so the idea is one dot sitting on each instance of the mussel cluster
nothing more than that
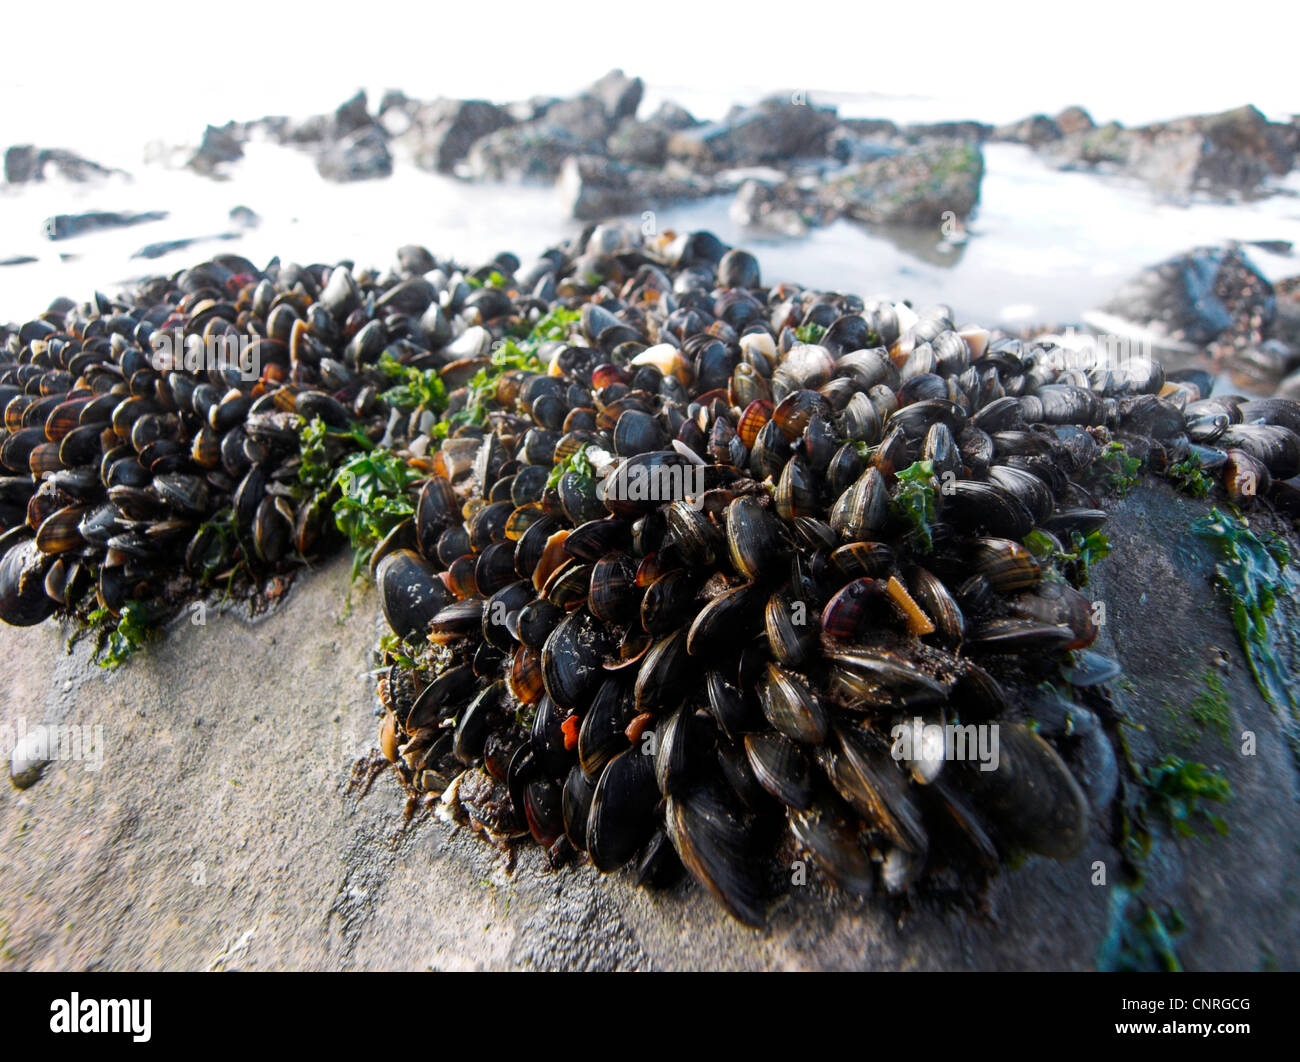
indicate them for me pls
(151, 443)
(672, 599)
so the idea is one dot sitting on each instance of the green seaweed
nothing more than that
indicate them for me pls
(1210, 707)
(1120, 469)
(1252, 573)
(810, 333)
(1074, 564)
(1137, 939)
(122, 635)
(373, 498)
(413, 388)
(913, 503)
(579, 463)
(1177, 789)
(1188, 477)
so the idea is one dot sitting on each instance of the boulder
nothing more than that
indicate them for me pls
(65, 226)
(534, 151)
(220, 145)
(912, 187)
(351, 116)
(619, 95)
(673, 116)
(774, 131)
(596, 188)
(25, 162)
(583, 117)
(362, 155)
(976, 132)
(639, 143)
(1074, 120)
(780, 208)
(442, 132)
(1036, 130)
(1197, 298)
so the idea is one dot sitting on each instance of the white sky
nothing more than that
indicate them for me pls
(78, 73)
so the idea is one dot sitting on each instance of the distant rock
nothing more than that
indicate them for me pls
(977, 132)
(360, 156)
(773, 131)
(220, 145)
(596, 188)
(1230, 153)
(534, 151)
(166, 247)
(245, 217)
(442, 132)
(1074, 120)
(1233, 151)
(583, 117)
(672, 116)
(65, 226)
(1036, 130)
(913, 187)
(619, 95)
(352, 115)
(18, 259)
(26, 162)
(761, 206)
(639, 143)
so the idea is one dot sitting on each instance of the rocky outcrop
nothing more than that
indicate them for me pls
(595, 187)
(359, 156)
(1235, 152)
(195, 818)
(26, 162)
(442, 132)
(774, 131)
(220, 145)
(915, 187)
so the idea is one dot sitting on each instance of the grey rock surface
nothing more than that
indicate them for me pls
(222, 831)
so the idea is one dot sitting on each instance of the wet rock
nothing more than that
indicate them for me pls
(1198, 297)
(442, 132)
(673, 116)
(534, 151)
(220, 145)
(1074, 120)
(165, 247)
(596, 187)
(245, 217)
(1036, 130)
(360, 156)
(65, 226)
(1104, 146)
(773, 131)
(26, 162)
(862, 141)
(583, 117)
(1233, 151)
(352, 115)
(780, 209)
(619, 95)
(639, 143)
(913, 187)
(976, 132)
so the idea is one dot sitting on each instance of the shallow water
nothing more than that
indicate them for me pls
(1043, 247)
